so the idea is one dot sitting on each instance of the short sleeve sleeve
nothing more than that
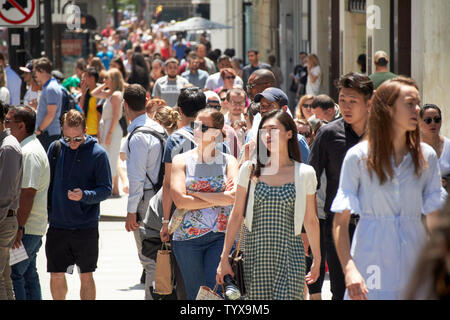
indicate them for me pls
(31, 171)
(311, 181)
(434, 195)
(244, 174)
(53, 95)
(347, 194)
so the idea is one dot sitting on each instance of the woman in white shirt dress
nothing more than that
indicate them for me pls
(110, 133)
(314, 76)
(391, 180)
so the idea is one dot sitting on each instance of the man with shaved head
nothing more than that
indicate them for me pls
(260, 80)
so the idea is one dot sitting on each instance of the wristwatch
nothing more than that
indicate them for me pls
(22, 228)
(165, 221)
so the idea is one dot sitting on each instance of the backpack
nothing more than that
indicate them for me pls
(68, 101)
(162, 137)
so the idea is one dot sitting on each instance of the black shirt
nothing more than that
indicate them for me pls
(328, 152)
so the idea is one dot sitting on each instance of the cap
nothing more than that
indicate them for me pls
(273, 95)
(28, 67)
(211, 96)
(379, 55)
(58, 75)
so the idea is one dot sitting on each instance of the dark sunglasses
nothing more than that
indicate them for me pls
(307, 106)
(251, 86)
(203, 127)
(230, 78)
(436, 120)
(214, 106)
(306, 134)
(74, 139)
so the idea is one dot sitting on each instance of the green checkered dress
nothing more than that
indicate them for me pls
(274, 265)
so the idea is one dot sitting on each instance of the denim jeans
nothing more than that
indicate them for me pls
(24, 274)
(198, 260)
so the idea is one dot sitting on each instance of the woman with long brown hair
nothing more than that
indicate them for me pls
(390, 180)
(281, 199)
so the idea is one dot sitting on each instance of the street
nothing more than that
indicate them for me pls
(118, 269)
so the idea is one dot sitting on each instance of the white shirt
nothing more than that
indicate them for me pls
(215, 81)
(313, 88)
(4, 95)
(144, 156)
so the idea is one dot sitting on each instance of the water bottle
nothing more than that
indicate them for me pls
(231, 290)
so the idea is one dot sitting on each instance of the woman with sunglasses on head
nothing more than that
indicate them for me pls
(430, 127)
(281, 200)
(390, 180)
(201, 184)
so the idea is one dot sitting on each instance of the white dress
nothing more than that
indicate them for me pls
(313, 88)
(113, 149)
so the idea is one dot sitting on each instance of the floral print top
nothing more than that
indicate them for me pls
(204, 177)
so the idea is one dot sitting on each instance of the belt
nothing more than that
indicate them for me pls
(11, 213)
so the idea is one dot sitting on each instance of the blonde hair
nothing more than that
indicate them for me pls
(167, 117)
(117, 82)
(74, 119)
(314, 59)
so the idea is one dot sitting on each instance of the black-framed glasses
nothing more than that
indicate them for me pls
(203, 127)
(307, 106)
(436, 120)
(74, 139)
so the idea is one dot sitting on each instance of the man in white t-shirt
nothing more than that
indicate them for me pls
(32, 212)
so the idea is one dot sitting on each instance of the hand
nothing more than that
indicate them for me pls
(223, 269)
(75, 194)
(356, 286)
(164, 233)
(126, 189)
(131, 222)
(314, 273)
(18, 240)
(33, 104)
(230, 185)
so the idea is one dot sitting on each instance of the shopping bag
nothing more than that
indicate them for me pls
(163, 272)
(205, 293)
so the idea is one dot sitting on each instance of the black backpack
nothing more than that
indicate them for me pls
(68, 101)
(162, 137)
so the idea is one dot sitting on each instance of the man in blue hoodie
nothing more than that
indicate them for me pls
(82, 179)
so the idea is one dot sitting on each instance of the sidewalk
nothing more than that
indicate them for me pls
(118, 270)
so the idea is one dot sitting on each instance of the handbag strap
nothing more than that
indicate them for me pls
(245, 209)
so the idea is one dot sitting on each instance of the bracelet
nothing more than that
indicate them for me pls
(165, 221)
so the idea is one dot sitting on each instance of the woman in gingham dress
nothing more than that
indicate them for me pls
(281, 200)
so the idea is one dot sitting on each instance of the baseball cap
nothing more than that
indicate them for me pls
(379, 55)
(273, 95)
(28, 67)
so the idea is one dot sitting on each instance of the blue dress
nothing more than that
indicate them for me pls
(390, 233)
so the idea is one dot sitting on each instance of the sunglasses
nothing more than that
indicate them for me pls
(307, 106)
(436, 120)
(230, 78)
(203, 127)
(306, 134)
(251, 86)
(74, 139)
(9, 121)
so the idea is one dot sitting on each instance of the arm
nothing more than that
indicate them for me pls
(221, 198)
(116, 104)
(311, 224)
(178, 188)
(166, 202)
(354, 282)
(51, 112)
(233, 226)
(101, 92)
(25, 205)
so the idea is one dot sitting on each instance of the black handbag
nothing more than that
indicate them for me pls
(236, 258)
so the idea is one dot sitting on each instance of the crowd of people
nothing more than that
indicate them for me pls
(351, 186)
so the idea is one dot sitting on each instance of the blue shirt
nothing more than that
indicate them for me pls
(390, 233)
(180, 50)
(106, 58)
(198, 79)
(13, 83)
(51, 95)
